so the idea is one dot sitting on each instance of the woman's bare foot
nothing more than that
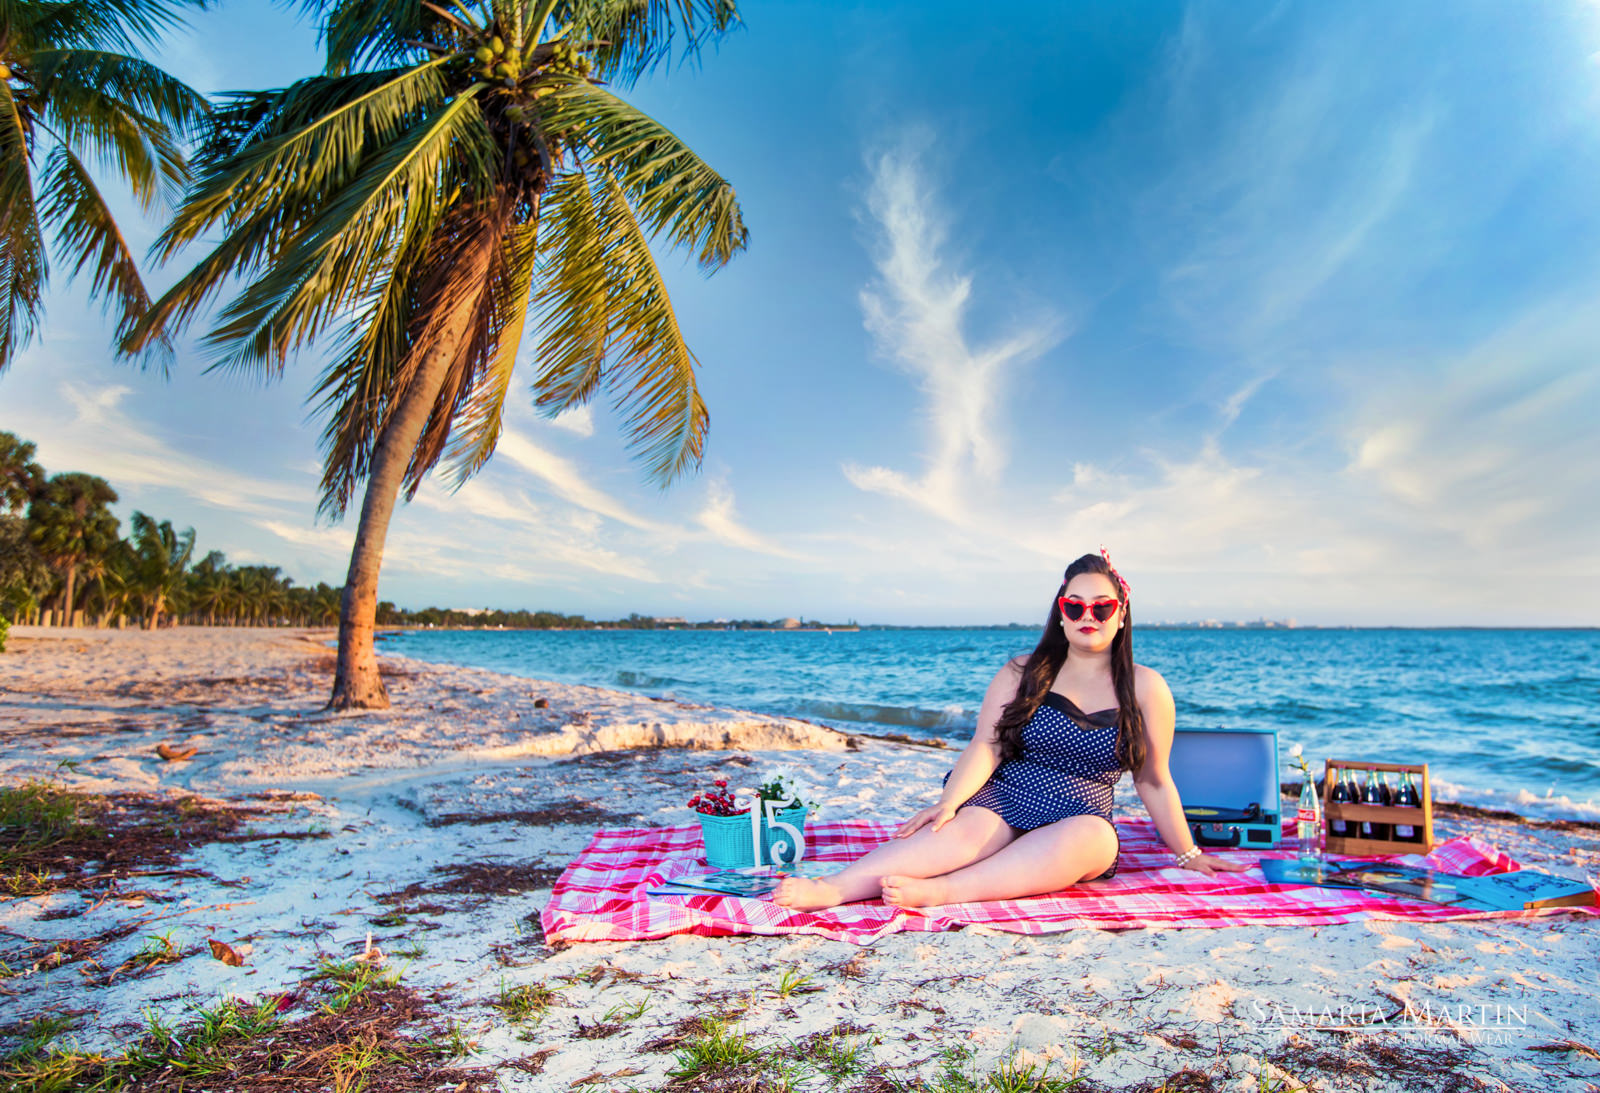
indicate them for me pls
(808, 893)
(915, 891)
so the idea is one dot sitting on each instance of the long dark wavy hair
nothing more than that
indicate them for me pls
(1045, 662)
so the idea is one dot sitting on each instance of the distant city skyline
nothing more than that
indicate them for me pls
(1292, 310)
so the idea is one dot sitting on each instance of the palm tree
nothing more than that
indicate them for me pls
(449, 171)
(115, 584)
(71, 525)
(24, 576)
(208, 586)
(72, 88)
(20, 476)
(263, 592)
(161, 556)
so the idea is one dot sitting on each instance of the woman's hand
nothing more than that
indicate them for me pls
(1210, 865)
(938, 815)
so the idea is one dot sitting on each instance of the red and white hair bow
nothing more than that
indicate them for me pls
(1127, 593)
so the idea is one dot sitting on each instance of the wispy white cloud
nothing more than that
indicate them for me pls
(563, 478)
(579, 420)
(335, 542)
(101, 437)
(917, 314)
(720, 518)
(478, 497)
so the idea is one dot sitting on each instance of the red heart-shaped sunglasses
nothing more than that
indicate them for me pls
(1102, 609)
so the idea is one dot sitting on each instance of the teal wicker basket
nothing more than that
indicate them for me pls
(728, 843)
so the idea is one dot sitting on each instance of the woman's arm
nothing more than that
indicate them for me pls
(980, 757)
(1154, 779)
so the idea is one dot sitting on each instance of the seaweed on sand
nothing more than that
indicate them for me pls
(54, 839)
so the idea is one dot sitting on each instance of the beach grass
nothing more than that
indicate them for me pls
(37, 815)
(837, 1053)
(526, 1002)
(793, 980)
(353, 979)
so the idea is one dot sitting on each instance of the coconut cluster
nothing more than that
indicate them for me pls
(497, 62)
(502, 62)
(566, 59)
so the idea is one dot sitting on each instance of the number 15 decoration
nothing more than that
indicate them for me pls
(767, 811)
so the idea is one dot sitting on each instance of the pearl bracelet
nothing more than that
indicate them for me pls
(1187, 856)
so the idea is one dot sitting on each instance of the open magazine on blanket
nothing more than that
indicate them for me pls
(757, 882)
(1521, 890)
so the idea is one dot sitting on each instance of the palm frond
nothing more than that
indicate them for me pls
(334, 259)
(339, 120)
(269, 162)
(23, 266)
(356, 390)
(121, 25)
(633, 37)
(652, 374)
(478, 425)
(573, 300)
(356, 33)
(130, 80)
(537, 26)
(673, 189)
(85, 228)
(459, 307)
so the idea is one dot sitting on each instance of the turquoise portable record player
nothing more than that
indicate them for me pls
(1227, 780)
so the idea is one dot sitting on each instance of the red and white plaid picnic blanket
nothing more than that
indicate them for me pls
(602, 896)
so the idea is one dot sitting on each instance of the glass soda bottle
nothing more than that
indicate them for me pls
(1343, 792)
(1308, 823)
(1371, 794)
(1408, 797)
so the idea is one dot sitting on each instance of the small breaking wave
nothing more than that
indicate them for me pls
(641, 680)
(945, 720)
(1524, 802)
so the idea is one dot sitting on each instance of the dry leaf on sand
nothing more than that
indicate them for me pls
(226, 953)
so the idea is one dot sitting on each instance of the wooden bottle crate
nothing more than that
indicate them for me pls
(1352, 813)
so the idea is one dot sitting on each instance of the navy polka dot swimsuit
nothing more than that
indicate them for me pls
(1068, 767)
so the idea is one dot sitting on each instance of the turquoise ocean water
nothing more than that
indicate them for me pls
(1505, 718)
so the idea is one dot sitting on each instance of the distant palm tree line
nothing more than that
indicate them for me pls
(63, 562)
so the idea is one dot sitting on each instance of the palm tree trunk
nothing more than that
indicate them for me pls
(66, 595)
(356, 682)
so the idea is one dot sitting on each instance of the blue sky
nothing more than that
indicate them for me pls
(1292, 307)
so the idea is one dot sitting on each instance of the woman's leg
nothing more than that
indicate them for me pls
(974, 833)
(1042, 860)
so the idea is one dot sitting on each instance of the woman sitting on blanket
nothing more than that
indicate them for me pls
(1027, 809)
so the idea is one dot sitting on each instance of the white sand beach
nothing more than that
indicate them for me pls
(439, 827)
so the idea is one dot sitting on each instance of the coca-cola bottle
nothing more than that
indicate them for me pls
(1407, 797)
(1343, 793)
(1308, 823)
(1371, 794)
